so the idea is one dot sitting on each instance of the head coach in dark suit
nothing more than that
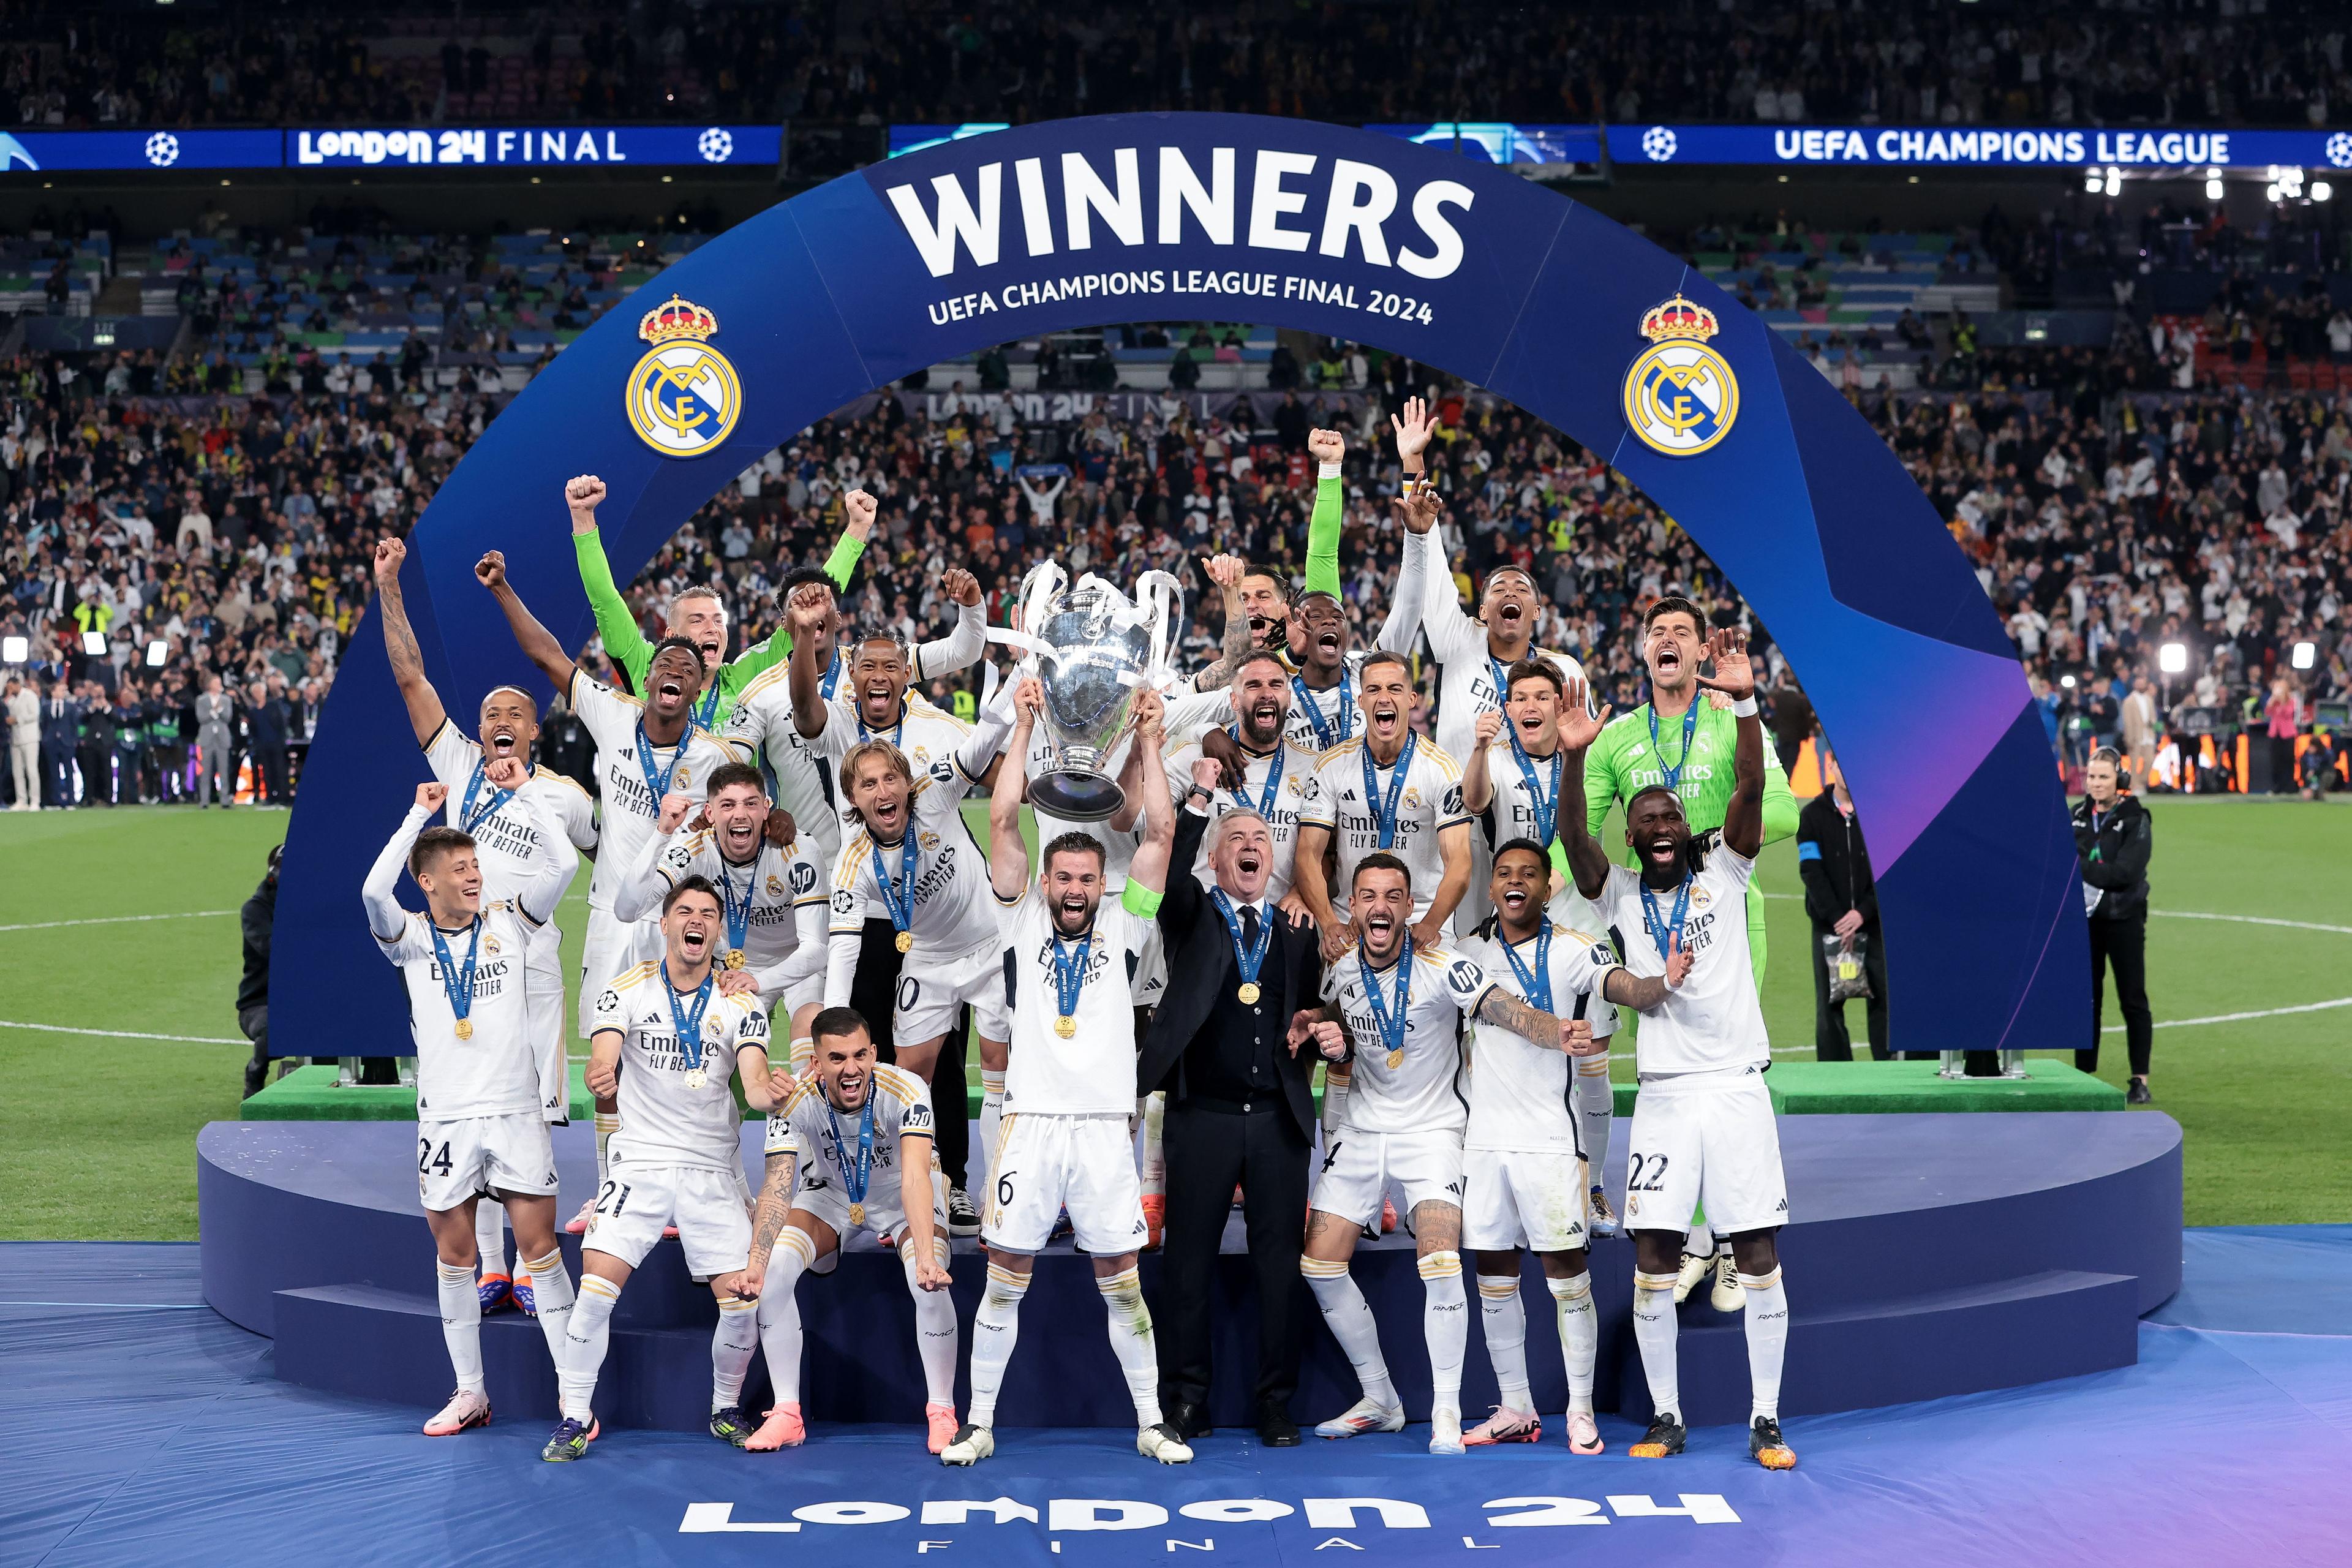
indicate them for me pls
(1240, 1104)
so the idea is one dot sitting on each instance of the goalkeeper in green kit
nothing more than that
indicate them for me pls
(1680, 740)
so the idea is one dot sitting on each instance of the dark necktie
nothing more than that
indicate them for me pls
(1249, 927)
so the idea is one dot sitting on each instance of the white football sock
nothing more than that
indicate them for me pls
(1152, 1163)
(1350, 1320)
(1131, 1341)
(490, 1234)
(607, 1124)
(1445, 1322)
(935, 1328)
(995, 1329)
(1700, 1242)
(1580, 1336)
(1768, 1338)
(461, 1323)
(780, 1312)
(1655, 1328)
(992, 1117)
(1505, 1321)
(584, 1343)
(1595, 1099)
(551, 1289)
(732, 1344)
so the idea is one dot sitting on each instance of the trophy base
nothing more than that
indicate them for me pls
(1075, 796)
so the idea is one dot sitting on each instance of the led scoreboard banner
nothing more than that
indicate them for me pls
(399, 146)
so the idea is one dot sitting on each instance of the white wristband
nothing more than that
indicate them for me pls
(1327, 471)
(1746, 707)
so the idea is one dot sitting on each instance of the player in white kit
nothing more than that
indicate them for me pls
(1277, 779)
(1399, 1007)
(1387, 792)
(646, 747)
(1703, 1126)
(511, 850)
(771, 891)
(1524, 1171)
(1511, 784)
(1069, 958)
(479, 1124)
(848, 1121)
(666, 1045)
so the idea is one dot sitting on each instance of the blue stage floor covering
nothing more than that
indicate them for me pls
(136, 1427)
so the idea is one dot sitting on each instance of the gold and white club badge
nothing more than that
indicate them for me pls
(683, 397)
(1681, 397)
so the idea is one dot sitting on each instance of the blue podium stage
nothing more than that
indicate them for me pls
(1927, 1256)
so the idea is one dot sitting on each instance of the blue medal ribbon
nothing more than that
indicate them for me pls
(1536, 987)
(1546, 818)
(1070, 973)
(1391, 1026)
(832, 674)
(1273, 786)
(739, 913)
(900, 904)
(1661, 927)
(1673, 777)
(468, 817)
(707, 715)
(457, 984)
(1383, 807)
(1347, 718)
(854, 1180)
(1249, 959)
(689, 1025)
(657, 781)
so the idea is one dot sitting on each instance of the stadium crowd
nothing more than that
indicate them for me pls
(153, 545)
(2279, 63)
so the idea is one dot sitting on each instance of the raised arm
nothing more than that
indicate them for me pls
(1648, 992)
(1412, 428)
(625, 644)
(1225, 573)
(538, 644)
(426, 714)
(644, 885)
(985, 747)
(1574, 827)
(1182, 897)
(1149, 869)
(805, 617)
(964, 645)
(1735, 677)
(1477, 778)
(386, 919)
(1008, 854)
(1330, 451)
(1453, 634)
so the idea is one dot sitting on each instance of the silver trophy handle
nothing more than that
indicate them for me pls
(1162, 598)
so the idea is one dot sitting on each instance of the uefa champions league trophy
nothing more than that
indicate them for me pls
(1094, 650)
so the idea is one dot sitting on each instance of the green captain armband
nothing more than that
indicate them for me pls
(1139, 900)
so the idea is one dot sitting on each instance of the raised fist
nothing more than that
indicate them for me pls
(389, 554)
(960, 585)
(1489, 725)
(1326, 446)
(431, 795)
(584, 495)
(859, 508)
(491, 571)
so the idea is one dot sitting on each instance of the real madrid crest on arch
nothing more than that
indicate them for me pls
(1680, 394)
(683, 396)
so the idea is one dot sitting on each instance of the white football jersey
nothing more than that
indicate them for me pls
(1469, 677)
(492, 1071)
(508, 842)
(1519, 1087)
(1514, 812)
(663, 1121)
(1712, 1020)
(1429, 801)
(1289, 770)
(778, 899)
(825, 1140)
(1092, 1071)
(955, 907)
(1319, 720)
(632, 806)
(1418, 1087)
(761, 724)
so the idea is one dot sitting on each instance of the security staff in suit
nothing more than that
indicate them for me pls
(60, 737)
(1229, 1047)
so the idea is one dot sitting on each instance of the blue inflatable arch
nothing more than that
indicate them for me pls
(1158, 217)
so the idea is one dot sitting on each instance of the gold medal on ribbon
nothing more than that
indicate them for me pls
(695, 1080)
(857, 1214)
(1065, 1027)
(906, 942)
(1396, 1059)
(1249, 992)
(734, 958)
(465, 1028)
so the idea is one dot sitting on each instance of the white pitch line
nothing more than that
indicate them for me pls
(120, 1034)
(2237, 1017)
(2251, 920)
(118, 920)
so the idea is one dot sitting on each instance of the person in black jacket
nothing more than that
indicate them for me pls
(256, 918)
(1841, 900)
(60, 741)
(1241, 1106)
(2113, 836)
(265, 725)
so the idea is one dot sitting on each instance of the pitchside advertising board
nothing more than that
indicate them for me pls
(1366, 237)
(392, 147)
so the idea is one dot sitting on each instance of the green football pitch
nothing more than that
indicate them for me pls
(118, 965)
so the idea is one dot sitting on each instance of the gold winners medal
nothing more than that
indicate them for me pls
(1249, 992)
(857, 1214)
(906, 942)
(734, 958)
(695, 1080)
(1065, 1027)
(1396, 1059)
(465, 1028)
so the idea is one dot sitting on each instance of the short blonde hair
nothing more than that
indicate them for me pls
(893, 760)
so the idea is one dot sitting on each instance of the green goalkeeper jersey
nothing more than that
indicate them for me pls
(626, 646)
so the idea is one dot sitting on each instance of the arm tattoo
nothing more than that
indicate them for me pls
(400, 637)
(1643, 994)
(1502, 1009)
(775, 1202)
(1236, 644)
